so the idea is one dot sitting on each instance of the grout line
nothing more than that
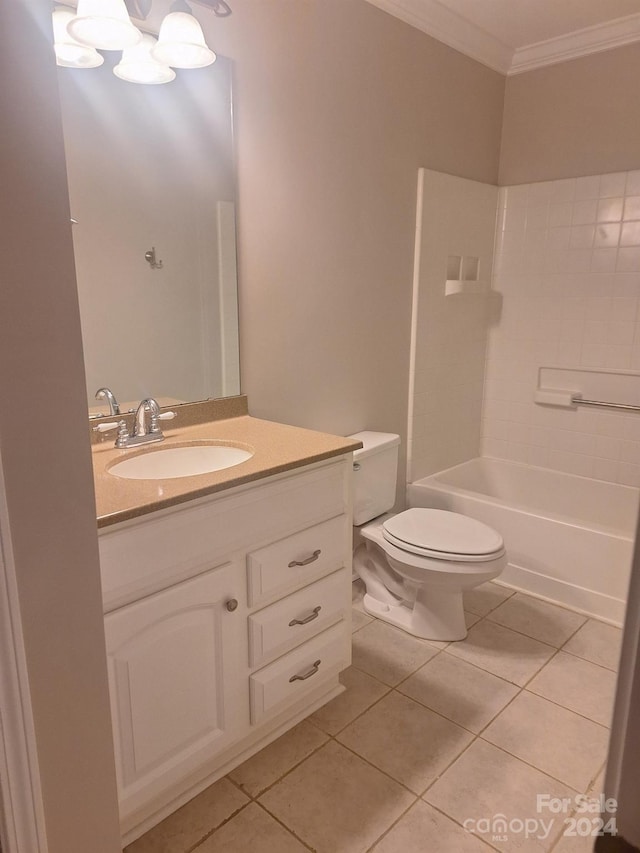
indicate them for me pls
(262, 791)
(235, 784)
(580, 657)
(378, 769)
(533, 766)
(284, 826)
(219, 826)
(334, 735)
(457, 823)
(570, 710)
(388, 830)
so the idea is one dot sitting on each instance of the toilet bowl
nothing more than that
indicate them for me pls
(416, 581)
(415, 564)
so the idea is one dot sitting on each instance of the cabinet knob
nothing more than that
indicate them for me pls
(232, 604)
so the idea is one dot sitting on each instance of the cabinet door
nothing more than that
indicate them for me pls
(178, 682)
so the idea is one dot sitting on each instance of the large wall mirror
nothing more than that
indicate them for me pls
(152, 189)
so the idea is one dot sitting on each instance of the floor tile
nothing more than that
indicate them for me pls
(336, 802)
(406, 740)
(271, 763)
(359, 619)
(485, 598)
(503, 652)
(579, 685)
(598, 643)
(249, 831)
(362, 691)
(557, 741)
(459, 691)
(185, 827)
(538, 619)
(485, 782)
(423, 822)
(389, 654)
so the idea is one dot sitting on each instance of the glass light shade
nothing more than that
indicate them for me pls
(138, 65)
(69, 52)
(104, 24)
(181, 42)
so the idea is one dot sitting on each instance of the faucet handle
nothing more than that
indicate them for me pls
(121, 426)
(107, 427)
(154, 426)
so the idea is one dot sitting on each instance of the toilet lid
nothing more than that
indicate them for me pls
(441, 533)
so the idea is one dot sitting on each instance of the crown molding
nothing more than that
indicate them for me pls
(583, 42)
(452, 29)
(440, 22)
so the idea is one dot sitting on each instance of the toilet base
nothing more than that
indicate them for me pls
(436, 614)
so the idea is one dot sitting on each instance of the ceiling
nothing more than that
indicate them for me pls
(512, 36)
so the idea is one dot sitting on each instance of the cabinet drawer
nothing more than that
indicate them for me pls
(163, 548)
(299, 616)
(293, 562)
(291, 676)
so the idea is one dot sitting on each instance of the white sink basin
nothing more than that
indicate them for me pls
(166, 463)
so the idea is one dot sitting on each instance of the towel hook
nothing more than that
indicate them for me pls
(150, 258)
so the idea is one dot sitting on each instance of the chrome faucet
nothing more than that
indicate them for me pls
(140, 428)
(145, 429)
(108, 395)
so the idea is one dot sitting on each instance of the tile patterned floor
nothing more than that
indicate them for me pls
(428, 737)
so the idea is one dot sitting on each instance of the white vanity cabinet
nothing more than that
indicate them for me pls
(227, 620)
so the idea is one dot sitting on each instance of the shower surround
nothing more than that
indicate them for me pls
(564, 293)
(567, 275)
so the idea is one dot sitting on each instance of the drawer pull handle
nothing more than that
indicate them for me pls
(312, 671)
(306, 562)
(313, 615)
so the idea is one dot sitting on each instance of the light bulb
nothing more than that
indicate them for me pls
(181, 42)
(104, 24)
(138, 65)
(69, 52)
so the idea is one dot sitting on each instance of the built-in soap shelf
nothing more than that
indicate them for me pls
(463, 275)
(569, 388)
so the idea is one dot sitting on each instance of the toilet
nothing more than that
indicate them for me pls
(416, 564)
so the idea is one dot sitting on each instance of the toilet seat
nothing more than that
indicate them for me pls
(443, 535)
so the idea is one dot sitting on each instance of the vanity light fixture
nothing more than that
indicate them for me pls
(139, 66)
(104, 24)
(69, 52)
(181, 41)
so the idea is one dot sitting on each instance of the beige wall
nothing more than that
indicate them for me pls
(45, 450)
(572, 119)
(337, 106)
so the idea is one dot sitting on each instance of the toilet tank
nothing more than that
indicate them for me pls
(375, 472)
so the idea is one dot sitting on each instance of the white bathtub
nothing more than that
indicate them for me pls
(568, 538)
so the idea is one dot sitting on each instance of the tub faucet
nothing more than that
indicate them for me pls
(108, 395)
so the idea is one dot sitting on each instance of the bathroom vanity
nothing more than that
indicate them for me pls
(227, 601)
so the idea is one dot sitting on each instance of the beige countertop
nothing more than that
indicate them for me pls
(277, 448)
